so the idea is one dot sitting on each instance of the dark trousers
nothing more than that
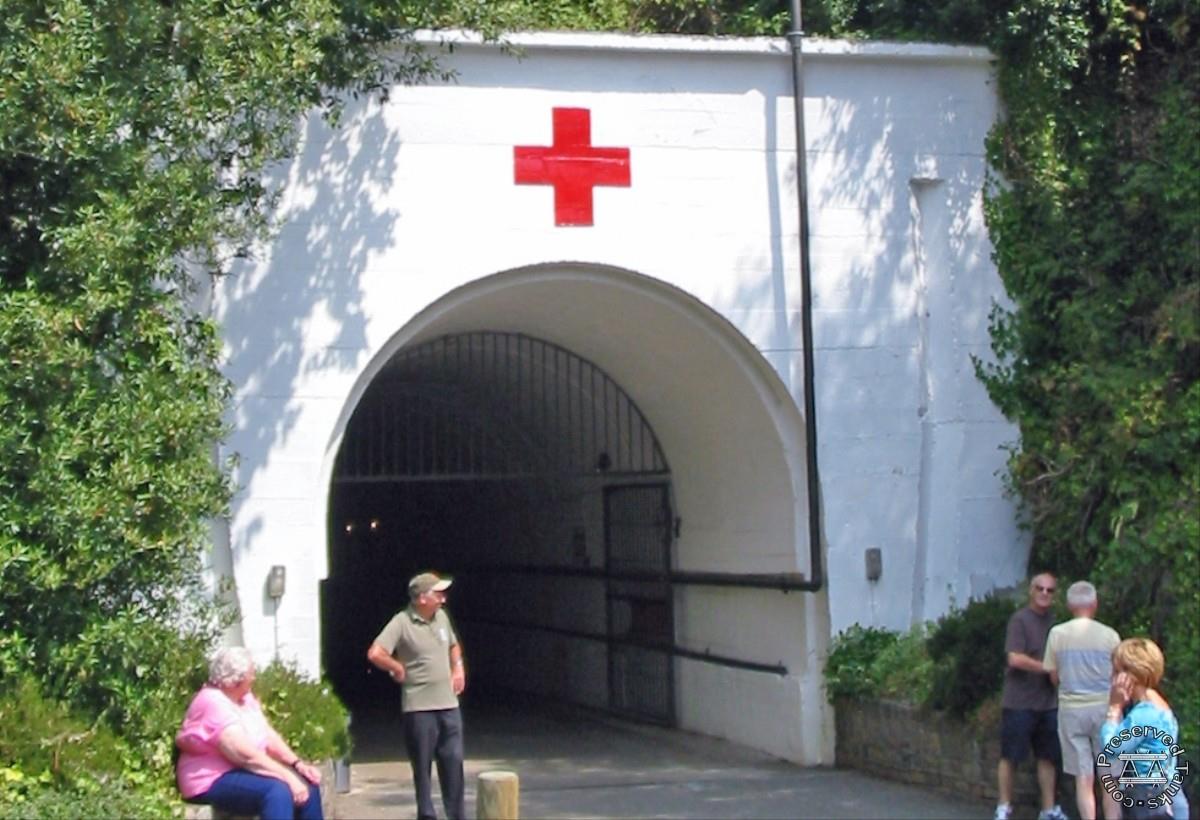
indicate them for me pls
(242, 792)
(436, 735)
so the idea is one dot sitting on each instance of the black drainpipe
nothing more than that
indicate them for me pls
(796, 38)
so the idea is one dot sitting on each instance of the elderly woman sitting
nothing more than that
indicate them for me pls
(232, 759)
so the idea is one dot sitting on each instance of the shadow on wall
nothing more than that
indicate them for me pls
(305, 285)
(910, 444)
(877, 337)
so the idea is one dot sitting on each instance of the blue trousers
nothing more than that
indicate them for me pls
(437, 734)
(242, 792)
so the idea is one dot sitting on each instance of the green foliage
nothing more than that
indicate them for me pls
(134, 135)
(904, 669)
(868, 662)
(46, 737)
(848, 669)
(942, 20)
(954, 664)
(966, 647)
(53, 763)
(93, 800)
(1095, 219)
(306, 713)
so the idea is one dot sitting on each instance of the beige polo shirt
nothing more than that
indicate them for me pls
(1080, 650)
(424, 649)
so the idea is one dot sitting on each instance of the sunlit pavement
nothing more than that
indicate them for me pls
(575, 764)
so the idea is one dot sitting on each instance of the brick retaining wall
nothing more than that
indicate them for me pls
(914, 745)
(903, 742)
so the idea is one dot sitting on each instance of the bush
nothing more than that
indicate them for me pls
(848, 669)
(55, 764)
(966, 648)
(904, 669)
(307, 713)
(97, 801)
(868, 662)
(45, 737)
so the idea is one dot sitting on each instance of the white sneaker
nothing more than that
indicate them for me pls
(1055, 813)
(1003, 812)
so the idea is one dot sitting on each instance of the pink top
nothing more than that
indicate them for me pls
(209, 714)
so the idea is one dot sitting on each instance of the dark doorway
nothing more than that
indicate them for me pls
(496, 458)
(637, 539)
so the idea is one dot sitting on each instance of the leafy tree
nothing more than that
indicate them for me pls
(133, 138)
(1096, 226)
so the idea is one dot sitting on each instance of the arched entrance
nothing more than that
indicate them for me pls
(527, 473)
(616, 476)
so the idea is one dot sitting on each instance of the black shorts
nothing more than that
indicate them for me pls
(1021, 729)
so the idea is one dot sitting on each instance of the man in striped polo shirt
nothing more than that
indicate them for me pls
(1079, 660)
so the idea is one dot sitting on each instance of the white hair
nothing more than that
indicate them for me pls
(1081, 594)
(230, 666)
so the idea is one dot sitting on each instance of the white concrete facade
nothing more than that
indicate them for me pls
(405, 224)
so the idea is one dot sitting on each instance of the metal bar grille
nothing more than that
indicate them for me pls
(489, 405)
(637, 536)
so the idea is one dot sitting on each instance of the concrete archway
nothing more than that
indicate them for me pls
(734, 440)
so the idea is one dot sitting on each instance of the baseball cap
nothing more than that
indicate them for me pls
(427, 582)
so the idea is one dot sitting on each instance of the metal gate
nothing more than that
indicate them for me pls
(641, 624)
(494, 406)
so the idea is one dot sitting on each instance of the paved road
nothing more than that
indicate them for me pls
(574, 764)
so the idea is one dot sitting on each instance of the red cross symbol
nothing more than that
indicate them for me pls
(572, 165)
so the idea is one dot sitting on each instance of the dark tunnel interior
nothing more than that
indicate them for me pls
(529, 476)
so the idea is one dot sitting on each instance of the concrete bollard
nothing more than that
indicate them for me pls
(341, 775)
(497, 796)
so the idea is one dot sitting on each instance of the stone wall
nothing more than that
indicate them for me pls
(903, 742)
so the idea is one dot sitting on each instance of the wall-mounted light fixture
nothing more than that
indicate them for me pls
(277, 582)
(874, 558)
(276, 586)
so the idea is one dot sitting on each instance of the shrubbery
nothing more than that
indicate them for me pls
(868, 662)
(954, 664)
(56, 764)
(852, 669)
(128, 181)
(967, 649)
(307, 713)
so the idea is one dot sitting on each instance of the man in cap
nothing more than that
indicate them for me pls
(419, 650)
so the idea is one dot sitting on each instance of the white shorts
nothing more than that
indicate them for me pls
(1079, 736)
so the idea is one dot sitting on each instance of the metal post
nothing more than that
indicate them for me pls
(796, 38)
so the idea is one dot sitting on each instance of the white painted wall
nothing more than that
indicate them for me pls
(411, 204)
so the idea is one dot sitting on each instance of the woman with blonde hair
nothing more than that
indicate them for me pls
(1140, 722)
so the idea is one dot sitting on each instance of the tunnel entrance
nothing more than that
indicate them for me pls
(530, 476)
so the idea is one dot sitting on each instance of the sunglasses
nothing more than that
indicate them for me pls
(1040, 588)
